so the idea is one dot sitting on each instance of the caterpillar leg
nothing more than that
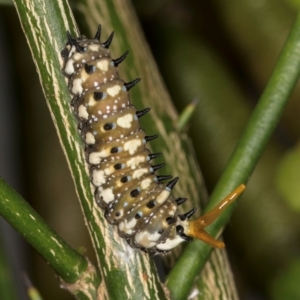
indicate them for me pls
(196, 228)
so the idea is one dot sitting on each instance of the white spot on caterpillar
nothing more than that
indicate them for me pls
(113, 91)
(140, 172)
(131, 146)
(82, 112)
(109, 170)
(103, 65)
(146, 239)
(121, 226)
(172, 211)
(154, 236)
(135, 161)
(126, 227)
(83, 75)
(107, 195)
(162, 197)
(170, 243)
(145, 183)
(95, 157)
(125, 121)
(76, 56)
(72, 50)
(77, 87)
(89, 138)
(94, 47)
(69, 67)
(98, 177)
(92, 101)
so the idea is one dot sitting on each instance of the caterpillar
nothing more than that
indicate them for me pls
(126, 184)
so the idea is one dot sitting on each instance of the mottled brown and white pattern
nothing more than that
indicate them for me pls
(127, 188)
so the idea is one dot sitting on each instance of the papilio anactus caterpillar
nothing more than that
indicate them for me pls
(126, 185)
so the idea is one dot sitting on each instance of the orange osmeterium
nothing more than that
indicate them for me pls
(196, 228)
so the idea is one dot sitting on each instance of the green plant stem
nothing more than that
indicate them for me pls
(67, 263)
(246, 155)
(45, 23)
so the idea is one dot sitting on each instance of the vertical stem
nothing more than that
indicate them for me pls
(246, 155)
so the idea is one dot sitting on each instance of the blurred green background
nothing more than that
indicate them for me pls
(221, 52)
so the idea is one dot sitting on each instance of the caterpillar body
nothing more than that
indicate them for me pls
(127, 187)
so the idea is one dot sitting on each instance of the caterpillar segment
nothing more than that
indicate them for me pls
(127, 187)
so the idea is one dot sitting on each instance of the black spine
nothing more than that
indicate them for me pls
(163, 177)
(157, 167)
(108, 42)
(187, 215)
(98, 33)
(142, 112)
(150, 138)
(117, 61)
(172, 183)
(154, 155)
(179, 201)
(131, 84)
(73, 42)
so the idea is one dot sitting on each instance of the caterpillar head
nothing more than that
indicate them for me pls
(185, 230)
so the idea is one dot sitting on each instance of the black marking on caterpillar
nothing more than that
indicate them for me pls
(127, 188)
